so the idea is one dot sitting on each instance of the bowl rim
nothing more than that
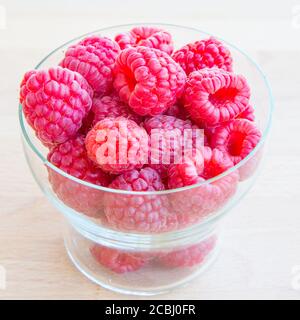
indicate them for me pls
(168, 191)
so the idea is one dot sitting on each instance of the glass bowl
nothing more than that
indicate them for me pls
(181, 239)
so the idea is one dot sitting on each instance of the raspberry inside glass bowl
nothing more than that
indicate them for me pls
(150, 232)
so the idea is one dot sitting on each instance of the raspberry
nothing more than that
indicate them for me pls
(108, 107)
(206, 198)
(186, 173)
(190, 256)
(166, 123)
(202, 54)
(177, 111)
(248, 168)
(117, 145)
(118, 261)
(167, 138)
(94, 58)
(142, 213)
(147, 37)
(213, 96)
(87, 123)
(71, 157)
(238, 138)
(113, 107)
(149, 80)
(55, 102)
(248, 114)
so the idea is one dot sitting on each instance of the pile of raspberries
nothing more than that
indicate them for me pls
(138, 80)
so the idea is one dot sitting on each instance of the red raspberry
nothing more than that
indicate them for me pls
(118, 261)
(71, 157)
(147, 37)
(113, 107)
(94, 58)
(55, 102)
(202, 54)
(141, 213)
(190, 256)
(149, 80)
(117, 145)
(108, 107)
(188, 172)
(248, 168)
(214, 96)
(238, 138)
(177, 111)
(166, 122)
(207, 198)
(167, 140)
(87, 123)
(248, 114)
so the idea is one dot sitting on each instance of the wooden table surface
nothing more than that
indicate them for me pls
(261, 246)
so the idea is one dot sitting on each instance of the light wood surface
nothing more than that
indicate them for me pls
(261, 244)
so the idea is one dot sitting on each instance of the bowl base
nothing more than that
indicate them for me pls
(151, 280)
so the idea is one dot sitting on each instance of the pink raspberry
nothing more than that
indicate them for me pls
(167, 140)
(238, 138)
(149, 80)
(190, 256)
(94, 58)
(55, 102)
(117, 145)
(71, 157)
(202, 54)
(141, 213)
(147, 37)
(118, 261)
(214, 96)
(206, 198)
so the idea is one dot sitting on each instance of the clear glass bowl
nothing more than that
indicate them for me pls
(159, 253)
